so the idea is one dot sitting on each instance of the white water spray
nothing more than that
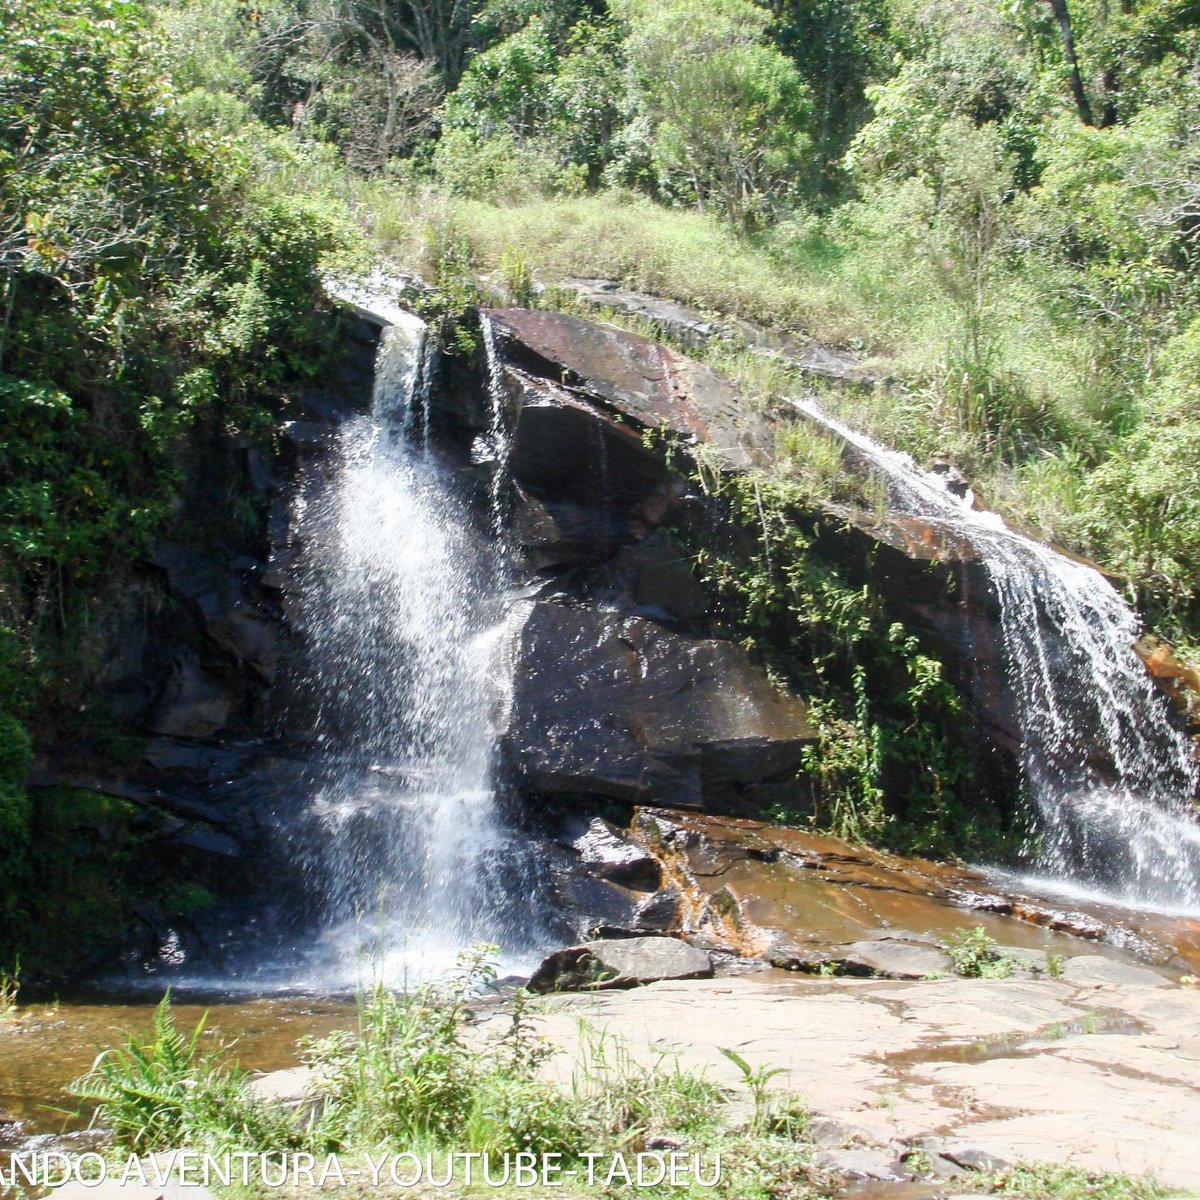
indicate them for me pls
(403, 617)
(1109, 773)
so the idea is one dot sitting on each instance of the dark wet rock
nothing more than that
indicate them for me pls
(892, 959)
(660, 913)
(605, 853)
(654, 579)
(586, 482)
(202, 760)
(605, 705)
(209, 842)
(621, 963)
(192, 703)
(230, 618)
(305, 437)
(585, 902)
(637, 381)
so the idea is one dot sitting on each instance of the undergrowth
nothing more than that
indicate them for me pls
(418, 1075)
(976, 955)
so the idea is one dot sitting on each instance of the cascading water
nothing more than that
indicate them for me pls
(1109, 774)
(404, 621)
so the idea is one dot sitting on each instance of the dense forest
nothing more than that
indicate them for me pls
(996, 203)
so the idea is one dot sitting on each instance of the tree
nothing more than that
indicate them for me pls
(726, 110)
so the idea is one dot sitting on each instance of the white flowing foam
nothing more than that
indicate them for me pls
(1110, 775)
(403, 612)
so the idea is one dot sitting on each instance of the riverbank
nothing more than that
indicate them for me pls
(909, 1090)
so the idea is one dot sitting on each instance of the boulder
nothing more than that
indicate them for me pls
(619, 963)
(191, 702)
(607, 705)
(859, 1164)
(636, 381)
(605, 853)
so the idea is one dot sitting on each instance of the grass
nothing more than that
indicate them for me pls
(975, 954)
(1053, 1182)
(163, 1091)
(415, 1076)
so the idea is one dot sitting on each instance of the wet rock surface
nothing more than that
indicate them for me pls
(811, 903)
(632, 379)
(627, 708)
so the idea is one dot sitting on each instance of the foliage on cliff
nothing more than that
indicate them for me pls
(997, 201)
(150, 290)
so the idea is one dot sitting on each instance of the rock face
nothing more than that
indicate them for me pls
(632, 379)
(623, 963)
(693, 329)
(622, 707)
(812, 903)
(621, 692)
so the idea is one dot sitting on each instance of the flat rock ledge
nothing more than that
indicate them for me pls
(938, 1080)
(620, 963)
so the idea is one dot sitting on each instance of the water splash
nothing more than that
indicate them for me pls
(1109, 773)
(403, 615)
(497, 447)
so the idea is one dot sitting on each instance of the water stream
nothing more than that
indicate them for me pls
(404, 615)
(1108, 773)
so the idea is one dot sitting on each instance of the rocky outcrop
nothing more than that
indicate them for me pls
(637, 381)
(813, 903)
(693, 328)
(606, 705)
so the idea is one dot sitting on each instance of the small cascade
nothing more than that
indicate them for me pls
(403, 614)
(496, 448)
(1109, 774)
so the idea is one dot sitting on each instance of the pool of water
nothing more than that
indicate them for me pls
(43, 1047)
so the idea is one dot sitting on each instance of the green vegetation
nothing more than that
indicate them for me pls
(891, 762)
(416, 1076)
(10, 987)
(975, 954)
(156, 302)
(994, 204)
(1045, 1182)
(164, 1092)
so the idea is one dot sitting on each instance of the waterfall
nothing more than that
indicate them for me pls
(496, 446)
(1108, 773)
(402, 609)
